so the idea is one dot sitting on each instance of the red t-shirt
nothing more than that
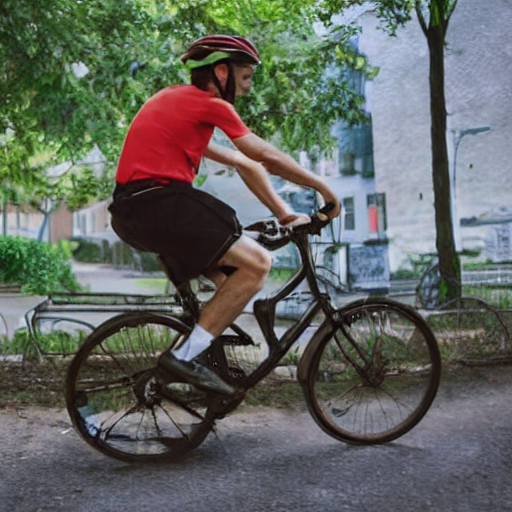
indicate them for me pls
(171, 132)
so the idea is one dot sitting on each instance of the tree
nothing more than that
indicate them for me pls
(48, 113)
(74, 74)
(433, 17)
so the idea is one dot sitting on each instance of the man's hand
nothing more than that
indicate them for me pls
(294, 219)
(330, 197)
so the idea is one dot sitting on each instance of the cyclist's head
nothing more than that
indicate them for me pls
(236, 52)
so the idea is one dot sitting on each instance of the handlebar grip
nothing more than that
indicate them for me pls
(323, 213)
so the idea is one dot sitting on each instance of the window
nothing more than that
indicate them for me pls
(373, 221)
(376, 207)
(350, 219)
(355, 146)
(347, 167)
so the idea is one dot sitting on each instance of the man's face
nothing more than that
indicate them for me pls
(243, 79)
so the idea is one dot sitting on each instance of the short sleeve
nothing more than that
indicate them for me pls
(223, 115)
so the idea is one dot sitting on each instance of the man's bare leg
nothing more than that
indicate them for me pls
(253, 264)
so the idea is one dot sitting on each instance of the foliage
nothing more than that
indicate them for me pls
(89, 252)
(39, 267)
(49, 114)
(74, 74)
(405, 274)
(57, 342)
(302, 88)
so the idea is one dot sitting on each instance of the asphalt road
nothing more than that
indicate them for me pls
(458, 459)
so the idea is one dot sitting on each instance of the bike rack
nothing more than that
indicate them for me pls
(83, 312)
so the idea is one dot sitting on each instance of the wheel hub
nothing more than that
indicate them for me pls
(146, 389)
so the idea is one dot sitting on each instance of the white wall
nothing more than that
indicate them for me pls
(478, 63)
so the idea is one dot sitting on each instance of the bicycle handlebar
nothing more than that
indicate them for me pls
(273, 236)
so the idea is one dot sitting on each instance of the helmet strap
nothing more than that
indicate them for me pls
(230, 90)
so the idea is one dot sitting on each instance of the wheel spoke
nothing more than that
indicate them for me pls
(116, 397)
(376, 376)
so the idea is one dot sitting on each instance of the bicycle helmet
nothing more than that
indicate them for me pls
(208, 51)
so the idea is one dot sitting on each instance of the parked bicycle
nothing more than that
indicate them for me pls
(369, 372)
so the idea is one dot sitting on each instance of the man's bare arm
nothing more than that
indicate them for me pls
(254, 175)
(283, 165)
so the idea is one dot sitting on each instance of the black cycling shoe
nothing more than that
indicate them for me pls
(195, 373)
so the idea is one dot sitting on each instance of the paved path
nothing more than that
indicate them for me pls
(458, 459)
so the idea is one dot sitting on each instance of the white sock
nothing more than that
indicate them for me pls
(198, 341)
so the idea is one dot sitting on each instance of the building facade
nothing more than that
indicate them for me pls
(478, 67)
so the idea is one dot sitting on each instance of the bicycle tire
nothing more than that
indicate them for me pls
(121, 405)
(427, 291)
(395, 381)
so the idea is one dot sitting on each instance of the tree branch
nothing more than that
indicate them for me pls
(421, 18)
(450, 12)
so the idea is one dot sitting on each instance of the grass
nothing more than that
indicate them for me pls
(32, 384)
(497, 296)
(281, 274)
(158, 283)
(474, 332)
(281, 395)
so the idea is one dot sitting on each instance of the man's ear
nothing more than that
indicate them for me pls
(222, 72)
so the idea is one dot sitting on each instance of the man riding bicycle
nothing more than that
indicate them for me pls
(157, 209)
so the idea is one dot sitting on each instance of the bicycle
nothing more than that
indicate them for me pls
(369, 372)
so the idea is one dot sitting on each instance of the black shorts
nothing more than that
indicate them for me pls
(188, 228)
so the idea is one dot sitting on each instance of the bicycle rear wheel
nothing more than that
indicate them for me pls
(118, 401)
(375, 375)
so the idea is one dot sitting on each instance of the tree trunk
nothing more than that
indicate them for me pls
(449, 263)
(4, 216)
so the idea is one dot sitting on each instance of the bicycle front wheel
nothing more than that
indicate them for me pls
(118, 401)
(375, 375)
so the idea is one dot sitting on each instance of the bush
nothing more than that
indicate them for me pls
(89, 252)
(39, 268)
(403, 273)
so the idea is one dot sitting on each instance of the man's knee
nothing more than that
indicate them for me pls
(262, 263)
(256, 262)
(249, 256)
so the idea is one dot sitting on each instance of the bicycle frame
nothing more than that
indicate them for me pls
(264, 312)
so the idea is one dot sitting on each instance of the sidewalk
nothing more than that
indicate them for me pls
(13, 307)
(101, 278)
